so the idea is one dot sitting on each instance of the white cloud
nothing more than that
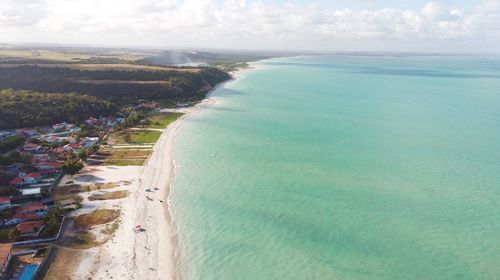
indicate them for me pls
(237, 23)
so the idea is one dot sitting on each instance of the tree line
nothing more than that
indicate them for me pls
(119, 86)
(28, 108)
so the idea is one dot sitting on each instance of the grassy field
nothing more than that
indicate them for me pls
(139, 146)
(137, 137)
(162, 120)
(97, 217)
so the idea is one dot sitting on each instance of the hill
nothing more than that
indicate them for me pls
(28, 108)
(121, 84)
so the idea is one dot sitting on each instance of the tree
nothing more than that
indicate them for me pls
(71, 166)
(11, 143)
(82, 154)
(52, 221)
(15, 234)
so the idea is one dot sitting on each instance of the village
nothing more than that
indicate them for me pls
(35, 183)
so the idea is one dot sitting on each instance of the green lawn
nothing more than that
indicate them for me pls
(162, 120)
(144, 136)
(138, 137)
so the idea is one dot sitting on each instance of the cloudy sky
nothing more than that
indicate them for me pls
(373, 25)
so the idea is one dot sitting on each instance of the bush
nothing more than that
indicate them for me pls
(11, 143)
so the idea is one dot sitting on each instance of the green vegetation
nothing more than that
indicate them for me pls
(138, 137)
(123, 87)
(52, 221)
(162, 120)
(4, 235)
(131, 120)
(15, 234)
(83, 154)
(12, 141)
(27, 108)
(14, 157)
(71, 166)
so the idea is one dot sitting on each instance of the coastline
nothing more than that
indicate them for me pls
(125, 253)
(189, 112)
(168, 254)
(152, 254)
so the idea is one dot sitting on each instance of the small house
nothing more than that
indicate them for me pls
(19, 218)
(32, 148)
(37, 208)
(5, 203)
(30, 229)
(46, 165)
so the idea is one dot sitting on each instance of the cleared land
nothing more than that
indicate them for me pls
(73, 191)
(124, 157)
(63, 265)
(109, 195)
(96, 217)
(67, 57)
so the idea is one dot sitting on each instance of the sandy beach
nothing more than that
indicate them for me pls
(127, 254)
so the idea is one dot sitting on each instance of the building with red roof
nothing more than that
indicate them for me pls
(32, 148)
(5, 203)
(30, 229)
(33, 177)
(17, 181)
(37, 208)
(19, 218)
(47, 165)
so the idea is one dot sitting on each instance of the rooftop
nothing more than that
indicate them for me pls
(29, 227)
(30, 207)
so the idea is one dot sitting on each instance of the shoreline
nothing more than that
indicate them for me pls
(201, 106)
(127, 254)
(159, 172)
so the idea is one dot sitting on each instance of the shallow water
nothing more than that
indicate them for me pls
(344, 167)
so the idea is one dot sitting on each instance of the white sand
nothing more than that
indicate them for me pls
(130, 255)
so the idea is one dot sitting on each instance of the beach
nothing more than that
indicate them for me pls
(128, 253)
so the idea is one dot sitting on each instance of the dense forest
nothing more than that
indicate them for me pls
(119, 86)
(27, 108)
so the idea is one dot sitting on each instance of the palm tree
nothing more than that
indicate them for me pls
(15, 234)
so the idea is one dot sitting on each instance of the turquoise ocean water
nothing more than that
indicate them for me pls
(344, 167)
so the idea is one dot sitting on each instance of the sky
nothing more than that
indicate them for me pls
(321, 25)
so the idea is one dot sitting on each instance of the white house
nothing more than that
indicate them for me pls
(5, 203)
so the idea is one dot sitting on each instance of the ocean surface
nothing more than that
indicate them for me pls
(344, 167)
